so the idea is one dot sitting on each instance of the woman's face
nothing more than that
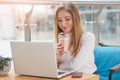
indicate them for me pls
(65, 21)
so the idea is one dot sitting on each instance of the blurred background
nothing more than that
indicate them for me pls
(102, 17)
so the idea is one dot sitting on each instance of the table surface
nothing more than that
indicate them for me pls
(12, 76)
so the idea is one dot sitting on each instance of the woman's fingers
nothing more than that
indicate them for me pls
(60, 49)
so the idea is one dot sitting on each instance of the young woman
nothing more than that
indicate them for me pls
(80, 56)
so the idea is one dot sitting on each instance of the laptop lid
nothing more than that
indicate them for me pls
(34, 58)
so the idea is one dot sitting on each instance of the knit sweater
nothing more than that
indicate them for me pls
(84, 60)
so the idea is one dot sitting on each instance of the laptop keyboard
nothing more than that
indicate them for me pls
(59, 73)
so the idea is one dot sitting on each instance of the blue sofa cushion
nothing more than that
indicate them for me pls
(105, 58)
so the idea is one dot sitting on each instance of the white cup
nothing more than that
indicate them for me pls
(64, 40)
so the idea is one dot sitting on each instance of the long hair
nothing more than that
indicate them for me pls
(77, 29)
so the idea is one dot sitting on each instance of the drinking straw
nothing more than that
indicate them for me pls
(65, 31)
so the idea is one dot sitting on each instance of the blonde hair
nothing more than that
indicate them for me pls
(77, 29)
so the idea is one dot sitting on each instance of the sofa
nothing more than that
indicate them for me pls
(105, 58)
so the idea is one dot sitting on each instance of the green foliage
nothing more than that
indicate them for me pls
(4, 62)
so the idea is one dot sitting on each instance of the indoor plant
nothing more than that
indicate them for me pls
(5, 64)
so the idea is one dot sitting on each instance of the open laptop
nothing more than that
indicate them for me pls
(36, 59)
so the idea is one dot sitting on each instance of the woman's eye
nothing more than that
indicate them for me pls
(59, 20)
(68, 19)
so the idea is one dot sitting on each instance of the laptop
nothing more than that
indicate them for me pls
(36, 59)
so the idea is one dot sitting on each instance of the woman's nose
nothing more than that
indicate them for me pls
(64, 23)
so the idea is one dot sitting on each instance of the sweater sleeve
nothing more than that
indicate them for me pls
(84, 55)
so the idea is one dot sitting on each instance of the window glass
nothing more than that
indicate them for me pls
(12, 21)
(109, 25)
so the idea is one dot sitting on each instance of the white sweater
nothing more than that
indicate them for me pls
(84, 60)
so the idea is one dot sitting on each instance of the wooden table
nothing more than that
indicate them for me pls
(12, 76)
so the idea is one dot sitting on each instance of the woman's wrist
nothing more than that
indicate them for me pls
(58, 64)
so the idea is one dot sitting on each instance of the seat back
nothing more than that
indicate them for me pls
(105, 58)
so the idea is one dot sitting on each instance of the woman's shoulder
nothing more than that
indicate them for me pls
(87, 33)
(86, 36)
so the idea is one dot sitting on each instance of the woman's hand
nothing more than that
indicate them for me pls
(60, 51)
